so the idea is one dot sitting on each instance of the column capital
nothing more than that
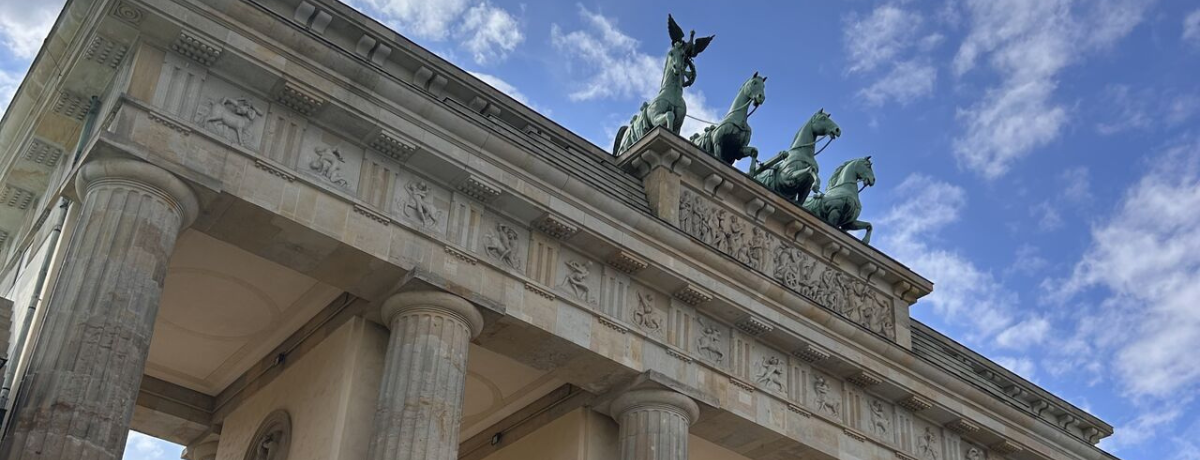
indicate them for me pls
(660, 399)
(144, 176)
(440, 301)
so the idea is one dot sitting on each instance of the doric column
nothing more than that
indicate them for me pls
(424, 375)
(654, 424)
(78, 398)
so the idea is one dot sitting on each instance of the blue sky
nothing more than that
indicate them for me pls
(1038, 159)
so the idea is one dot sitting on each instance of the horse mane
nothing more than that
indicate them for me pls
(836, 179)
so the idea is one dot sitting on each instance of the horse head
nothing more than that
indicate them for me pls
(858, 169)
(822, 125)
(755, 89)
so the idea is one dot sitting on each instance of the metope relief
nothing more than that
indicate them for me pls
(502, 243)
(973, 453)
(419, 206)
(788, 264)
(927, 444)
(711, 340)
(826, 399)
(230, 113)
(577, 280)
(770, 373)
(645, 315)
(881, 420)
(425, 204)
(331, 159)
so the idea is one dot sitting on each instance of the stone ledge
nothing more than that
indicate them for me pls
(915, 403)
(540, 291)
(626, 262)
(692, 295)
(462, 255)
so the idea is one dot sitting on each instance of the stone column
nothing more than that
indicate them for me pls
(424, 375)
(79, 396)
(654, 424)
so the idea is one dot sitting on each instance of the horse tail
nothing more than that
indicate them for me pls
(617, 142)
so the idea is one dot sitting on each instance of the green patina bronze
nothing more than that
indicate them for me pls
(729, 140)
(839, 205)
(793, 173)
(667, 108)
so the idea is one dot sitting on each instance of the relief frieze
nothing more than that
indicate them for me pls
(798, 270)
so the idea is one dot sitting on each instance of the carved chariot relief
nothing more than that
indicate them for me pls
(788, 264)
(503, 244)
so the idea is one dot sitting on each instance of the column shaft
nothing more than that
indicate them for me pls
(654, 424)
(425, 370)
(79, 396)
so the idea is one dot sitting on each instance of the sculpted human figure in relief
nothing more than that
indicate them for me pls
(644, 314)
(770, 372)
(823, 397)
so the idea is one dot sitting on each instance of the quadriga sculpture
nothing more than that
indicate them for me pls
(729, 140)
(793, 173)
(839, 205)
(667, 108)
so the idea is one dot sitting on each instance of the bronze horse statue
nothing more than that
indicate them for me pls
(793, 173)
(729, 140)
(667, 108)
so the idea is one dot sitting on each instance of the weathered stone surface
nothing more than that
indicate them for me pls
(654, 424)
(92, 353)
(424, 376)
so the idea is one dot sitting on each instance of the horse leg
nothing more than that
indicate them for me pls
(860, 225)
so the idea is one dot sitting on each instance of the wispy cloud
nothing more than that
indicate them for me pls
(1028, 43)
(1191, 28)
(966, 294)
(614, 66)
(489, 33)
(24, 25)
(890, 37)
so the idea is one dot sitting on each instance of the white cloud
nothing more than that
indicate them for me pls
(24, 25)
(1078, 182)
(490, 33)
(512, 91)
(9, 81)
(906, 82)
(1047, 215)
(1021, 336)
(616, 66)
(1191, 28)
(1028, 261)
(879, 37)
(142, 447)
(964, 293)
(1145, 426)
(1028, 42)
(1145, 261)
(1023, 367)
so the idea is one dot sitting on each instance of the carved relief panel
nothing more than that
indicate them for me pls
(729, 232)
(711, 341)
(414, 199)
(231, 113)
(331, 159)
(578, 278)
(826, 395)
(929, 441)
(648, 310)
(769, 370)
(503, 242)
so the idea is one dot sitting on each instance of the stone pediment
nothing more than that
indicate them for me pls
(726, 210)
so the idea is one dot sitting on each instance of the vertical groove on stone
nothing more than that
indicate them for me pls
(421, 396)
(83, 379)
(653, 424)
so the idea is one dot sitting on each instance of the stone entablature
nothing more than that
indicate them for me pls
(231, 131)
(722, 208)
